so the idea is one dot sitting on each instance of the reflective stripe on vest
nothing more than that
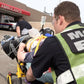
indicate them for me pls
(78, 71)
(67, 77)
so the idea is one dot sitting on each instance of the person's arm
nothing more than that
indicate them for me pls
(18, 31)
(24, 56)
(41, 61)
(21, 54)
(29, 75)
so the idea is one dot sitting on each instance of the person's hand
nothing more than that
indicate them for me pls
(21, 54)
(21, 47)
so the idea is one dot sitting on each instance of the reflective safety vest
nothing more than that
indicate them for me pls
(72, 41)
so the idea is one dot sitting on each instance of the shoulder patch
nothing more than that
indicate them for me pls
(75, 39)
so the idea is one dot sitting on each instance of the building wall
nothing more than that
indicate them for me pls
(35, 16)
(38, 24)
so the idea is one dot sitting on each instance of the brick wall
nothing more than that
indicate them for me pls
(37, 25)
(35, 17)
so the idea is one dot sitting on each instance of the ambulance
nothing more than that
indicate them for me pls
(7, 22)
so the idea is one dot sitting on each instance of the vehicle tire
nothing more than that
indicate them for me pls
(10, 28)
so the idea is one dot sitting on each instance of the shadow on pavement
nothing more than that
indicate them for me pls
(4, 29)
(3, 76)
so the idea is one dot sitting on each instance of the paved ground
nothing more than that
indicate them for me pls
(6, 64)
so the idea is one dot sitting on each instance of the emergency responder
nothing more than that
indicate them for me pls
(64, 52)
(22, 27)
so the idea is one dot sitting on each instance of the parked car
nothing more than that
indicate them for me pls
(7, 22)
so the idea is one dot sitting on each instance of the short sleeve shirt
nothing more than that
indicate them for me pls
(23, 24)
(50, 54)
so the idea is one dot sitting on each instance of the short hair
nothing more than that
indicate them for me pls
(21, 18)
(69, 10)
